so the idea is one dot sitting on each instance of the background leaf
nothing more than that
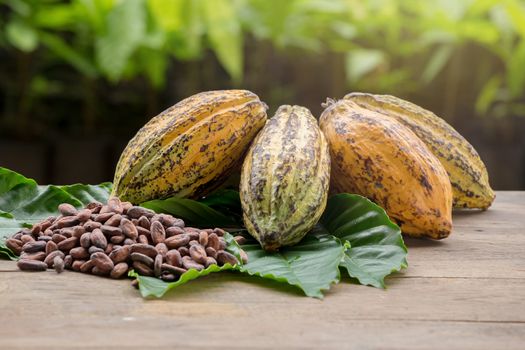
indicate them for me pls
(377, 247)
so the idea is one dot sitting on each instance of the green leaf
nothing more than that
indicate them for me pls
(311, 265)
(488, 94)
(436, 63)
(377, 247)
(225, 36)
(8, 225)
(193, 212)
(21, 35)
(360, 62)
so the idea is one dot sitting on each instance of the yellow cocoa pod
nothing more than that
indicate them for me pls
(377, 157)
(190, 148)
(468, 175)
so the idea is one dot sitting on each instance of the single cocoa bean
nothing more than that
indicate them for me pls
(91, 225)
(219, 231)
(114, 220)
(184, 251)
(94, 207)
(119, 270)
(93, 249)
(67, 209)
(194, 235)
(85, 240)
(36, 229)
(198, 253)
(26, 238)
(67, 232)
(162, 249)
(144, 222)
(191, 229)
(31, 265)
(188, 263)
(102, 217)
(143, 239)
(168, 277)
(145, 249)
(77, 264)
(203, 238)
(67, 244)
(79, 253)
(136, 212)
(49, 258)
(126, 206)
(102, 262)
(51, 247)
(223, 257)
(158, 234)
(115, 205)
(105, 209)
(173, 231)
(44, 238)
(157, 265)
(120, 255)
(174, 258)
(141, 268)
(57, 238)
(34, 246)
(244, 256)
(48, 232)
(177, 241)
(222, 243)
(58, 264)
(110, 230)
(211, 252)
(129, 241)
(68, 261)
(117, 239)
(193, 242)
(128, 228)
(98, 239)
(34, 256)
(67, 221)
(15, 245)
(173, 269)
(142, 258)
(143, 231)
(78, 231)
(213, 241)
(210, 261)
(84, 215)
(109, 248)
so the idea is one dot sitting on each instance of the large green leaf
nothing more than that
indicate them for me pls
(377, 247)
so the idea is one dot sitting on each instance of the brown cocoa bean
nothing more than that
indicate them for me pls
(219, 231)
(68, 261)
(67, 209)
(105, 209)
(158, 234)
(114, 220)
(162, 249)
(51, 247)
(31, 265)
(211, 252)
(67, 221)
(128, 241)
(67, 232)
(143, 231)
(168, 277)
(188, 263)
(143, 239)
(191, 243)
(57, 238)
(91, 225)
(177, 241)
(84, 215)
(94, 249)
(115, 205)
(173, 269)
(77, 264)
(109, 248)
(167, 220)
(94, 207)
(240, 239)
(48, 232)
(110, 230)
(15, 245)
(102, 262)
(184, 251)
(142, 269)
(34, 256)
(194, 235)
(119, 270)
(98, 239)
(34, 246)
(144, 222)
(99, 272)
(26, 238)
(203, 238)
(35, 230)
(142, 258)
(126, 206)
(136, 212)
(174, 258)
(85, 240)
(135, 283)
(49, 259)
(244, 256)
(173, 231)
(102, 217)
(213, 241)
(222, 243)
(191, 229)
(128, 228)
(117, 239)
(67, 244)
(157, 265)
(145, 249)
(120, 255)
(45, 224)
(58, 264)
(210, 261)
(44, 238)
(78, 231)
(79, 253)
(198, 253)
(223, 257)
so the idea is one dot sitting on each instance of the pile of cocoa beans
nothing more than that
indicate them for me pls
(110, 239)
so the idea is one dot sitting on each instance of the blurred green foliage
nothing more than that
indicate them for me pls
(120, 40)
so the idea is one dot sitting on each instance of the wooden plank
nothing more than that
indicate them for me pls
(465, 292)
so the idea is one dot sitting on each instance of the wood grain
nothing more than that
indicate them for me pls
(466, 292)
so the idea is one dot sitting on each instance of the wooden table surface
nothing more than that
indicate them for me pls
(466, 292)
